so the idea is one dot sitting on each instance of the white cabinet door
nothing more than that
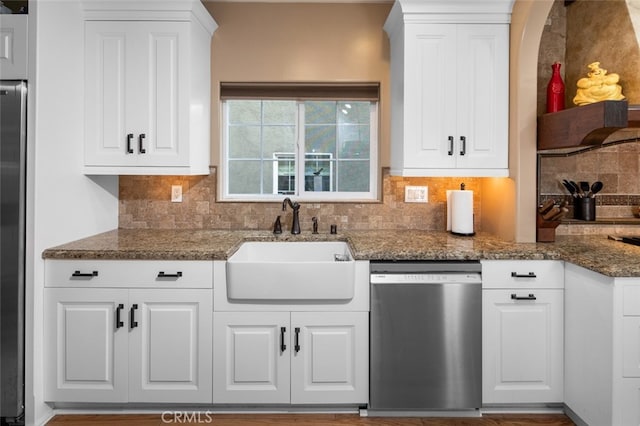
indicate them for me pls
(430, 104)
(483, 96)
(522, 346)
(330, 358)
(137, 93)
(86, 348)
(110, 88)
(251, 357)
(170, 346)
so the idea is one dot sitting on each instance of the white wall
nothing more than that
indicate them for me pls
(63, 204)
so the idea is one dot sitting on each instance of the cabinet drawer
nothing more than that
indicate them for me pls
(522, 274)
(129, 273)
(631, 294)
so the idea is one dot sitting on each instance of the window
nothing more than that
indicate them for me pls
(313, 149)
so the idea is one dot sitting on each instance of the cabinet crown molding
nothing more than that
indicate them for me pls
(449, 11)
(149, 10)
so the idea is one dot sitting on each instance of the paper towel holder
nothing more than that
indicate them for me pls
(464, 234)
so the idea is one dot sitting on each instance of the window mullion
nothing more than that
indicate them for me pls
(225, 148)
(300, 149)
(262, 159)
(334, 171)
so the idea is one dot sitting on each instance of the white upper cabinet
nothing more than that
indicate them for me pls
(449, 87)
(147, 87)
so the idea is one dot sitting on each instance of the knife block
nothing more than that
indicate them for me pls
(545, 229)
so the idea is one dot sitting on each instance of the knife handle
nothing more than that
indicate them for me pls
(551, 213)
(546, 206)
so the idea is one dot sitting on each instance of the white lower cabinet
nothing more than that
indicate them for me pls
(523, 342)
(522, 332)
(291, 358)
(602, 347)
(120, 345)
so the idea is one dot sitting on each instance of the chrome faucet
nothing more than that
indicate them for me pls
(295, 226)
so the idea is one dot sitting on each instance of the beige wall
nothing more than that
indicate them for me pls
(300, 42)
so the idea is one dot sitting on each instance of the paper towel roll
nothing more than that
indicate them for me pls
(461, 210)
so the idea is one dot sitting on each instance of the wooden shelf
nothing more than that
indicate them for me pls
(582, 126)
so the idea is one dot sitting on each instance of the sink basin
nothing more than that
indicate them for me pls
(271, 270)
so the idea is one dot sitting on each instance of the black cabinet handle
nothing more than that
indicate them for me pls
(529, 297)
(119, 322)
(283, 347)
(163, 275)
(129, 149)
(132, 315)
(78, 274)
(463, 149)
(450, 152)
(297, 343)
(140, 143)
(529, 275)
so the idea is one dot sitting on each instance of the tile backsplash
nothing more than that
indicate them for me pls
(145, 202)
(617, 167)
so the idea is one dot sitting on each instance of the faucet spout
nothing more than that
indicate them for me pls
(295, 206)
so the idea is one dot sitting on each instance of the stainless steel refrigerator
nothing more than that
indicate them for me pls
(13, 112)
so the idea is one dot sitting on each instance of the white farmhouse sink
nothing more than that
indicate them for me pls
(318, 270)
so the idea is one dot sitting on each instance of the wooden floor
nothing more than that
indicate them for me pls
(307, 420)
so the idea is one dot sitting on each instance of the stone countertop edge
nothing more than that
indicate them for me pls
(594, 252)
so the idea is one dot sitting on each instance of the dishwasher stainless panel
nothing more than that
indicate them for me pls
(426, 336)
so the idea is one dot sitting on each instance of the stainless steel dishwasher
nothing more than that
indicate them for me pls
(426, 336)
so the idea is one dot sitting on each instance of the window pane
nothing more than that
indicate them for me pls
(244, 177)
(267, 177)
(280, 112)
(244, 142)
(353, 112)
(251, 177)
(320, 139)
(353, 141)
(353, 176)
(278, 139)
(286, 173)
(320, 112)
(318, 173)
(244, 112)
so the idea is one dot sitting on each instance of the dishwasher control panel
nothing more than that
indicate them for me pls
(433, 278)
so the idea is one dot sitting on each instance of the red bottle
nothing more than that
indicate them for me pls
(555, 90)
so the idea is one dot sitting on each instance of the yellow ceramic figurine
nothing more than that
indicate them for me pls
(598, 86)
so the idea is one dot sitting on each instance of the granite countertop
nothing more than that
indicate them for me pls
(595, 252)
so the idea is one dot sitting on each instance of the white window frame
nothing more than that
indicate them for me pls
(300, 194)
